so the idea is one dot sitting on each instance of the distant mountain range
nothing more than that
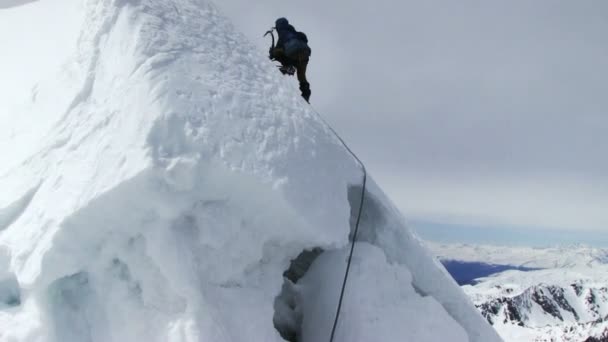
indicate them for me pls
(564, 297)
(534, 257)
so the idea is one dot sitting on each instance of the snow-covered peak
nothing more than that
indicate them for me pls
(566, 300)
(567, 304)
(158, 175)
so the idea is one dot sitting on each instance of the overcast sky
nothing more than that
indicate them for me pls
(469, 113)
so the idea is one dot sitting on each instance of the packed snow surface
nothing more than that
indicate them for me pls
(158, 175)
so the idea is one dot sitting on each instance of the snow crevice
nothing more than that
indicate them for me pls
(10, 293)
(288, 315)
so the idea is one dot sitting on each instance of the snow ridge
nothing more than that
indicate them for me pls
(544, 304)
(176, 176)
(564, 303)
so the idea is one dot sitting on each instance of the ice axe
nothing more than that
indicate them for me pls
(272, 35)
(272, 45)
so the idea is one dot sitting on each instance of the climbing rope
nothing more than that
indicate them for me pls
(354, 238)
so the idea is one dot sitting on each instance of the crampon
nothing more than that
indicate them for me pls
(287, 70)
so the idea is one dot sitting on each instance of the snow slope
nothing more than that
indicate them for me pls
(158, 175)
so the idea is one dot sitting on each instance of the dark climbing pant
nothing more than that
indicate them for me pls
(300, 61)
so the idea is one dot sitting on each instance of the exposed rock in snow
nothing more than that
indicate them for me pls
(546, 305)
(568, 303)
(158, 175)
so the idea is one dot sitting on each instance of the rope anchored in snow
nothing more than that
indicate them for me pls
(356, 231)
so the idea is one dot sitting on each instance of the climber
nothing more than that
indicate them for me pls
(293, 52)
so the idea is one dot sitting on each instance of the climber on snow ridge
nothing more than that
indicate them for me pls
(293, 52)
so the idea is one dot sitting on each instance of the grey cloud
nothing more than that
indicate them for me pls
(461, 91)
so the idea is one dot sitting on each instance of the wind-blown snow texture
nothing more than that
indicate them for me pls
(157, 177)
